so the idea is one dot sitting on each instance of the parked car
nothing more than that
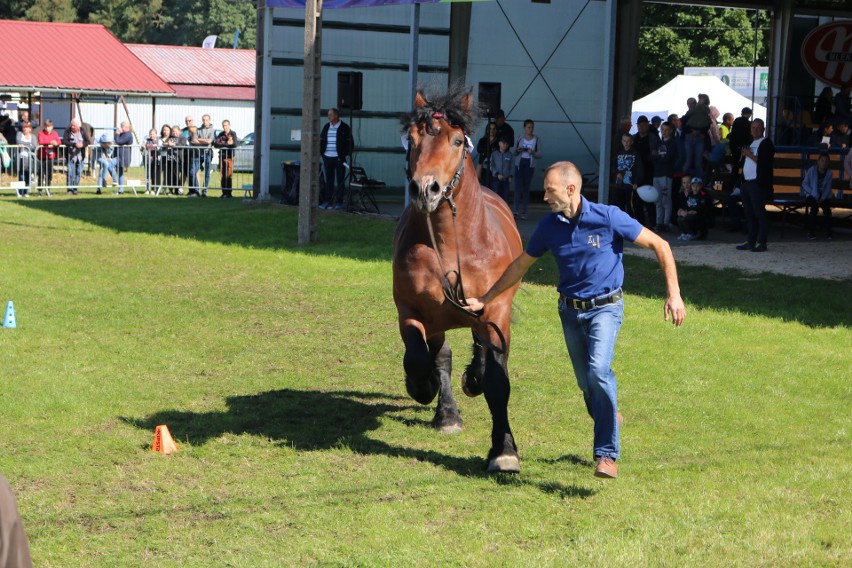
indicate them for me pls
(244, 157)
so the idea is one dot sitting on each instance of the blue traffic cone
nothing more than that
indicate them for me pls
(9, 318)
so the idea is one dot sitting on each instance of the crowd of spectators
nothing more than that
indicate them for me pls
(172, 160)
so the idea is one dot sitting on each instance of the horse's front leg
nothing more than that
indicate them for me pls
(503, 455)
(447, 418)
(428, 369)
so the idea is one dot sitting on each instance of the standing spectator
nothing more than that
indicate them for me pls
(486, 146)
(756, 188)
(27, 145)
(176, 147)
(23, 117)
(739, 138)
(656, 121)
(152, 161)
(48, 142)
(169, 159)
(335, 147)
(193, 153)
(503, 128)
(124, 142)
(693, 212)
(226, 141)
(644, 141)
(816, 189)
(106, 161)
(502, 165)
(628, 172)
(847, 168)
(187, 162)
(840, 136)
(697, 123)
(823, 106)
(76, 140)
(527, 151)
(664, 157)
(587, 242)
(206, 135)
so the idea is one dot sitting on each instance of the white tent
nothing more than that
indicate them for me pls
(671, 98)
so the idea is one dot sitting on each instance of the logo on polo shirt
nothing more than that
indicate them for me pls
(594, 240)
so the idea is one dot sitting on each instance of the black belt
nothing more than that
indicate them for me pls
(578, 304)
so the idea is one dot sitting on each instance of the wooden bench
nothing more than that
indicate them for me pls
(791, 165)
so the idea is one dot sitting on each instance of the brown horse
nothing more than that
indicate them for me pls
(453, 229)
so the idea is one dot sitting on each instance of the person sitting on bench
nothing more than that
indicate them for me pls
(816, 189)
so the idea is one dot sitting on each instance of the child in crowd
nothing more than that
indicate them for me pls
(106, 161)
(816, 189)
(694, 211)
(502, 165)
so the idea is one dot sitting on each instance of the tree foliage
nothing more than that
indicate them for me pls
(672, 38)
(166, 22)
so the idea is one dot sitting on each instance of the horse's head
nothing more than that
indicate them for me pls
(437, 147)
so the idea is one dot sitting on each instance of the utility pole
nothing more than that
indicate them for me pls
(309, 172)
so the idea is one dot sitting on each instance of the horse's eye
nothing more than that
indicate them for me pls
(458, 142)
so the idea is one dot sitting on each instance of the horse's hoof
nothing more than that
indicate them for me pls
(452, 424)
(505, 464)
(471, 386)
(423, 392)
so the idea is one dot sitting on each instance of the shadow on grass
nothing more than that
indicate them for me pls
(817, 303)
(811, 302)
(315, 421)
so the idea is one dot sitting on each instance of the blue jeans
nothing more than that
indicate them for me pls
(205, 161)
(523, 179)
(754, 207)
(194, 166)
(590, 337)
(334, 168)
(501, 188)
(694, 144)
(106, 165)
(75, 170)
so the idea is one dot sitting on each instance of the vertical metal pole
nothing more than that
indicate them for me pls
(413, 54)
(263, 104)
(607, 71)
(309, 177)
(754, 61)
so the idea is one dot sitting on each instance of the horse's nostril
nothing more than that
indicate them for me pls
(435, 188)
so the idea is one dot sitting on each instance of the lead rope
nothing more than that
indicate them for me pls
(454, 293)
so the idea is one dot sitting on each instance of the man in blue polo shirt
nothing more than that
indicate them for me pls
(587, 240)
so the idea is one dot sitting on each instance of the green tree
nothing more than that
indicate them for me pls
(52, 11)
(672, 38)
(129, 20)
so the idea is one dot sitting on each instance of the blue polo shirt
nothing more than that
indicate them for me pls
(588, 252)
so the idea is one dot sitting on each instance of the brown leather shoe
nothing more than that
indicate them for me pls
(606, 467)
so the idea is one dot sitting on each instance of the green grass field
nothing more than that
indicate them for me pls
(278, 370)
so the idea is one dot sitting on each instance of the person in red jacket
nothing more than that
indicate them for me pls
(48, 141)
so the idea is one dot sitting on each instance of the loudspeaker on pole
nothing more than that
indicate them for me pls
(349, 90)
(489, 97)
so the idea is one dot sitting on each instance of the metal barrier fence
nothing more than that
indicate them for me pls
(27, 170)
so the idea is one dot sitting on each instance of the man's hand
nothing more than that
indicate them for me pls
(674, 306)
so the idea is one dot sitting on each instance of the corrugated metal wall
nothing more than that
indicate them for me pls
(548, 57)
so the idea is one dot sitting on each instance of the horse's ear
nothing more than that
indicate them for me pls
(420, 100)
(467, 100)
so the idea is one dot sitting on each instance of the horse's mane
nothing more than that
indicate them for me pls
(450, 104)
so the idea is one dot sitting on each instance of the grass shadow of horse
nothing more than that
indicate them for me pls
(309, 421)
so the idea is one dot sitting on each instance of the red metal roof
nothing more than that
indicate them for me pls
(178, 65)
(214, 92)
(73, 58)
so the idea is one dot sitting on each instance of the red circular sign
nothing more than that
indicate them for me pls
(827, 53)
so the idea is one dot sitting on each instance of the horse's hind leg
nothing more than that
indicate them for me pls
(503, 455)
(472, 378)
(447, 418)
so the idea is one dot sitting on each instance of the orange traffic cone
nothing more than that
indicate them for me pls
(163, 441)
